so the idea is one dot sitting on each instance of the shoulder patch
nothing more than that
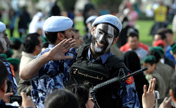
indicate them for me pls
(129, 79)
(12, 71)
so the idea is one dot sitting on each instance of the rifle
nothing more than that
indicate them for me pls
(111, 82)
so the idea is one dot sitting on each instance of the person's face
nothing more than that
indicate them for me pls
(156, 37)
(69, 33)
(39, 31)
(40, 46)
(4, 42)
(151, 68)
(102, 38)
(78, 39)
(133, 42)
(169, 38)
(90, 102)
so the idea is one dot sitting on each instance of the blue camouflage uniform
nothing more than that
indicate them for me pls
(11, 75)
(127, 95)
(53, 75)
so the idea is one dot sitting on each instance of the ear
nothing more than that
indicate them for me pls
(92, 31)
(3, 87)
(115, 40)
(154, 65)
(60, 36)
(172, 95)
(37, 48)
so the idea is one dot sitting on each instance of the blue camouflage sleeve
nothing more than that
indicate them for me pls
(50, 69)
(11, 76)
(128, 94)
(53, 68)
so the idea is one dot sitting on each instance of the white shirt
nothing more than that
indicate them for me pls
(26, 58)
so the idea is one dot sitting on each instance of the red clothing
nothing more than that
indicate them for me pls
(126, 47)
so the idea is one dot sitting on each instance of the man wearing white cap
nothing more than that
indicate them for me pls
(50, 70)
(95, 64)
(4, 44)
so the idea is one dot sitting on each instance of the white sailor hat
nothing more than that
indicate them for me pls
(57, 23)
(2, 27)
(109, 19)
(91, 19)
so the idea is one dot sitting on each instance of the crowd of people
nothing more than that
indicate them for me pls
(53, 66)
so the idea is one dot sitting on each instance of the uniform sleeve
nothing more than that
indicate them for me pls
(11, 76)
(128, 94)
(50, 69)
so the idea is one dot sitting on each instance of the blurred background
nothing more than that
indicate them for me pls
(11, 12)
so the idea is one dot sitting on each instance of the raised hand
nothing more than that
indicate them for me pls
(166, 103)
(148, 97)
(57, 53)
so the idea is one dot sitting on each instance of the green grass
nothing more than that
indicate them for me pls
(144, 31)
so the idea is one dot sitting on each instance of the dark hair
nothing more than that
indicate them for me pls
(133, 34)
(45, 45)
(75, 30)
(132, 29)
(162, 35)
(81, 92)
(4, 73)
(61, 98)
(156, 54)
(165, 30)
(173, 85)
(16, 44)
(52, 36)
(169, 31)
(30, 41)
(9, 86)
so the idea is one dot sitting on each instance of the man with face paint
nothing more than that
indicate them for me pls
(95, 64)
(88, 37)
(4, 44)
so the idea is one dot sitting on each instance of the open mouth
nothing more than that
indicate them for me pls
(99, 44)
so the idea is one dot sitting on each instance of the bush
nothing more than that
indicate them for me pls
(112, 5)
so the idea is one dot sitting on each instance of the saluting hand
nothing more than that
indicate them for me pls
(57, 53)
(148, 97)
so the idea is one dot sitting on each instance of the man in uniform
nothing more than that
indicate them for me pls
(50, 70)
(4, 44)
(105, 33)
(95, 64)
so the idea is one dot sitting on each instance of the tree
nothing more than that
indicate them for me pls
(68, 4)
(112, 5)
